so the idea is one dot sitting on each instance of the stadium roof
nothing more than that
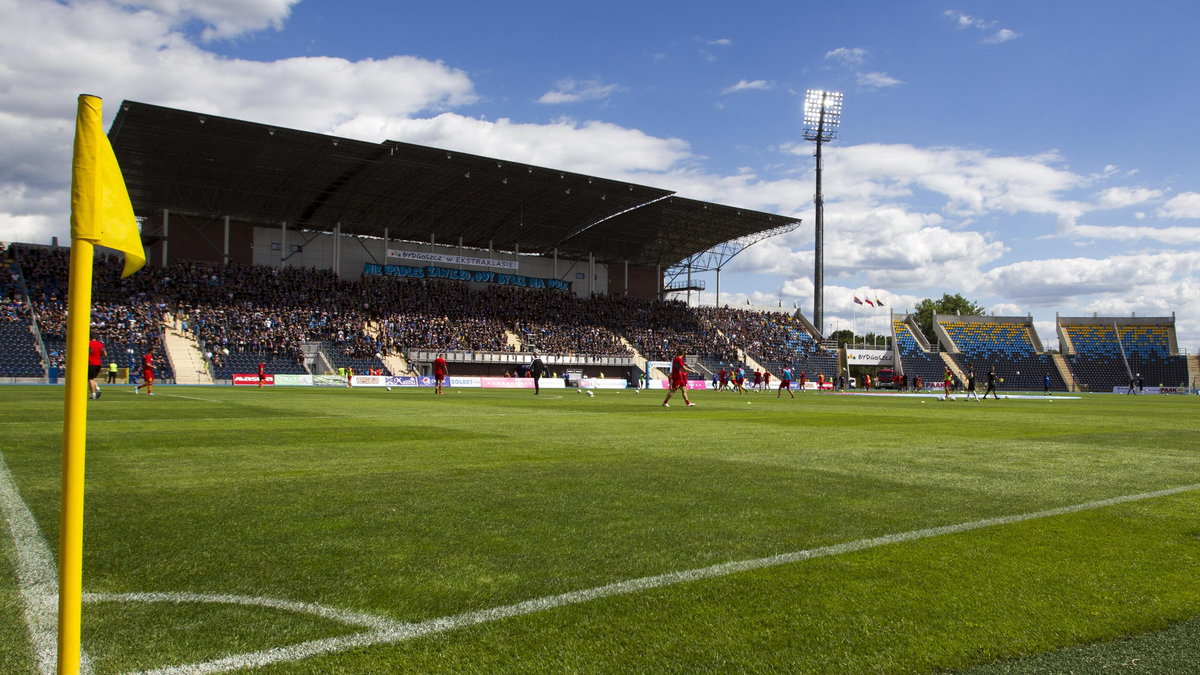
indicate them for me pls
(199, 164)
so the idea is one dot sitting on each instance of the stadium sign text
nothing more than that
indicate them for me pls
(431, 272)
(869, 357)
(452, 259)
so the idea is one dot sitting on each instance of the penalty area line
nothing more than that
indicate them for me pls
(403, 632)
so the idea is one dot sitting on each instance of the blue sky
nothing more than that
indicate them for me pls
(1034, 156)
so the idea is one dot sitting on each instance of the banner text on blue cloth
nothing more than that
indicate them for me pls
(431, 272)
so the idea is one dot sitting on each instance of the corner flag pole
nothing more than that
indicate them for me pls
(100, 214)
(70, 542)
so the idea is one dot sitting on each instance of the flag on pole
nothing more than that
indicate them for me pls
(100, 214)
(100, 208)
(878, 302)
(857, 301)
(869, 302)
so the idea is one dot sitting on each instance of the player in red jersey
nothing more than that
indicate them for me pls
(95, 356)
(678, 380)
(757, 379)
(262, 374)
(439, 373)
(147, 374)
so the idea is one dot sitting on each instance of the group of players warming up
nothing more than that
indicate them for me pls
(677, 380)
(95, 363)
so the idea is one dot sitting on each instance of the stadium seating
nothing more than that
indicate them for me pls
(1007, 347)
(19, 354)
(1102, 350)
(915, 361)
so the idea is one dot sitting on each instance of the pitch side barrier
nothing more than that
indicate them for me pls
(1155, 390)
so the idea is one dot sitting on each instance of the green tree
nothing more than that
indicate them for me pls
(948, 304)
(842, 336)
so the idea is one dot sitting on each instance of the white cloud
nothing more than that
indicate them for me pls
(1166, 235)
(138, 52)
(576, 91)
(1061, 281)
(222, 18)
(963, 21)
(721, 42)
(748, 85)
(851, 57)
(1000, 36)
(877, 80)
(1120, 197)
(973, 182)
(596, 148)
(1182, 205)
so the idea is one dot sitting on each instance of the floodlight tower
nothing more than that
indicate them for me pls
(822, 115)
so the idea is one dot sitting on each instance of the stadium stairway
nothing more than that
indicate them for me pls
(958, 373)
(640, 361)
(396, 364)
(1193, 366)
(186, 358)
(513, 341)
(315, 359)
(1064, 370)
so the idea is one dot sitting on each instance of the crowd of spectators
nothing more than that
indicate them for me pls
(773, 337)
(242, 309)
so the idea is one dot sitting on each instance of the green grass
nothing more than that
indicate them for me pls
(413, 507)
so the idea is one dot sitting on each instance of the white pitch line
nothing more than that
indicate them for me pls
(375, 623)
(37, 576)
(193, 398)
(405, 632)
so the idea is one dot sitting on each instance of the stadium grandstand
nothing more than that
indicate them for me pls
(1009, 344)
(1106, 353)
(311, 253)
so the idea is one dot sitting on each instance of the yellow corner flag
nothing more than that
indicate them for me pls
(100, 214)
(100, 208)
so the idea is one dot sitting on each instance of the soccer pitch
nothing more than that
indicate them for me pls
(363, 530)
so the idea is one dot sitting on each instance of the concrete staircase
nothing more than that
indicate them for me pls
(513, 341)
(1193, 364)
(315, 359)
(396, 364)
(186, 358)
(640, 361)
(1064, 370)
(962, 377)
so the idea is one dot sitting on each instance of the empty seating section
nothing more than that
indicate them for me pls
(984, 338)
(19, 354)
(1007, 347)
(1098, 364)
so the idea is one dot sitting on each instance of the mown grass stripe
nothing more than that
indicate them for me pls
(405, 632)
